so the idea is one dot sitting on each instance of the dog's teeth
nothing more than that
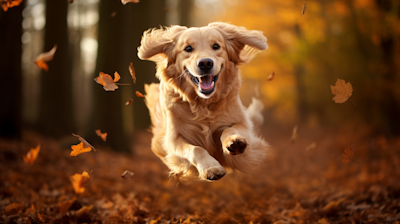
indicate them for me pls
(212, 84)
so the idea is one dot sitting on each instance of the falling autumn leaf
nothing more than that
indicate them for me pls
(138, 94)
(294, 135)
(86, 144)
(113, 14)
(127, 174)
(127, 1)
(5, 4)
(342, 91)
(106, 81)
(132, 71)
(271, 76)
(129, 102)
(42, 58)
(31, 156)
(303, 9)
(79, 149)
(79, 180)
(346, 155)
(101, 135)
(311, 146)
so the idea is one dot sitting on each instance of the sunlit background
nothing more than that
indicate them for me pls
(357, 41)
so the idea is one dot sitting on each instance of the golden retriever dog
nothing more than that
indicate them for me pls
(201, 128)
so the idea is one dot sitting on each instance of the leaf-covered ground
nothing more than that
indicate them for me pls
(295, 185)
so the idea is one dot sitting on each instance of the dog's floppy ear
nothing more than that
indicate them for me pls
(158, 42)
(241, 44)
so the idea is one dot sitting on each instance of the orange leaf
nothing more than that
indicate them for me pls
(31, 156)
(101, 135)
(106, 81)
(84, 210)
(84, 142)
(346, 155)
(64, 206)
(129, 102)
(79, 149)
(5, 4)
(78, 180)
(342, 91)
(271, 76)
(127, 1)
(13, 208)
(132, 71)
(42, 58)
(138, 94)
(117, 77)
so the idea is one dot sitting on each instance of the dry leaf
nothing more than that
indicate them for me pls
(333, 204)
(322, 221)
(79, 149)
(31, 210)
(14, 208)
(41, 60)
(342, 91)
(5, 4)
(127, 174)
(129, 102)
(31, 156)
(346, 155)
(78, 180)
(138, 94)
(106, 81)
(117, 77)
(271, 76)
(64, 206)
(311, 146)
(101, 135)
(132, 71)
(303, 9)
(86, 144)
(84, 211)
(40, 217)
(294, 135)
(127, 1)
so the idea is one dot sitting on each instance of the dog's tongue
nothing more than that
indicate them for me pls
(206, 82)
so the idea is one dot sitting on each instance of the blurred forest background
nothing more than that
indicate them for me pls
(358, 41)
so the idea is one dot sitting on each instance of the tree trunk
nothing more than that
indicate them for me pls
(10, 71)
(56, 112)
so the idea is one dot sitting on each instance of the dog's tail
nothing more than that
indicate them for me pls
(254, 111)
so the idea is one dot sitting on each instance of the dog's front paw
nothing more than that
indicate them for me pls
(235, 144)
(213, 173)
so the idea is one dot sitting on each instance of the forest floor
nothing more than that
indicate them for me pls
(295, 185)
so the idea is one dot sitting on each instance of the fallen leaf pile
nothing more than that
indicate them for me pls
(5, 4)
(42, 58)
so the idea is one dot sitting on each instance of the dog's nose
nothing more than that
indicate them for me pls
(205, 64)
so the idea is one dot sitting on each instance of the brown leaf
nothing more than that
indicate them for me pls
(303, 9)
(127, 1)
(86, 144)
(294, 135)
(127, 174)
(129, 102)
(132, 71)
(311, 146)
(117, 77)
(101, 135)
(346, 155)
(106, 81)
(5, 4)
(79, 149)
(13, 208)
(64, 206)
(271, 76)
(342, 91)
(40, 217)
(31, 156)
(78, 180)
(138, 94)
(333, 204)
(83, 211)
(42, 58)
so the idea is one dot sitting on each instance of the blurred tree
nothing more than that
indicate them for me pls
(118, 38)
(10, 71)
(56, 112)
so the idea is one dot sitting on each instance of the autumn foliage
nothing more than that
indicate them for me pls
(5, 4)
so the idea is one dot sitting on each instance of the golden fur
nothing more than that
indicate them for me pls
(199, 135)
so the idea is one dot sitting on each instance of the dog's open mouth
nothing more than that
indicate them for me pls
(205, 83)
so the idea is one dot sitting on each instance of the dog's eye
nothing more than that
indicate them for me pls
(216, 46)
(189, 49)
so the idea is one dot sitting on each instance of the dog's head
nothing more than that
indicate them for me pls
(206, 56)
